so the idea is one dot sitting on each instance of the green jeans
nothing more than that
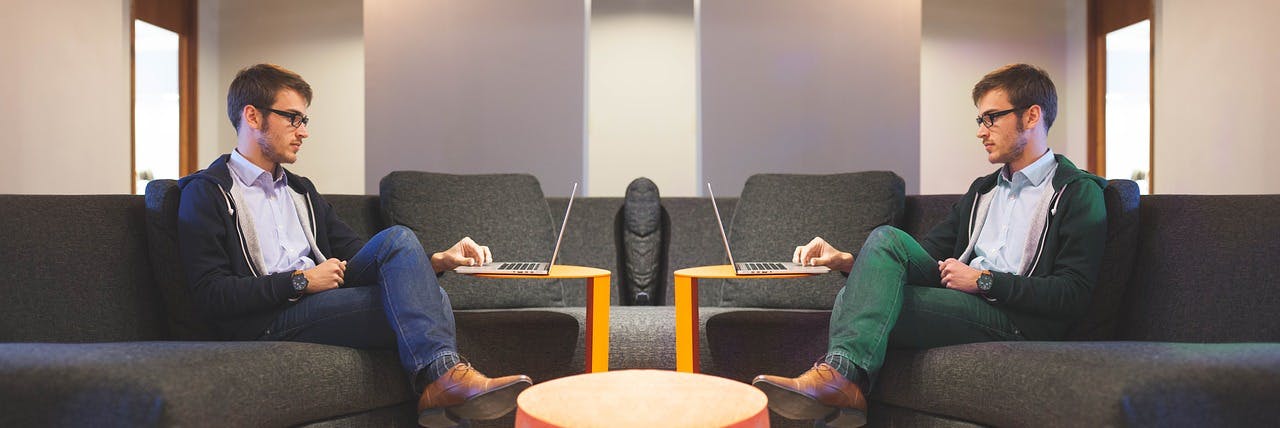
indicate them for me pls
(877, 308)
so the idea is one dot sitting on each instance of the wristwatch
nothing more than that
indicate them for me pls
(984, 282)
(299, 284)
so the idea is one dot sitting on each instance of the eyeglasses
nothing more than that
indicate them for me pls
(989, 119)
(295, 119)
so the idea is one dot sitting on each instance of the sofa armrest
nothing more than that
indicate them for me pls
(1089, 383)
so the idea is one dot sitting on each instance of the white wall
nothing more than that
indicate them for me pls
(322, 40)
(64, 97)
(961, 42)
(1216, 97)
(475, 86)
(809, 86)
(642, 96)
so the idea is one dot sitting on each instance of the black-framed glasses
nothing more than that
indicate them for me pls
(989, 119)
(295, 119)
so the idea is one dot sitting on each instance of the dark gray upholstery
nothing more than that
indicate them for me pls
(86, 269)
(506, 212)
(1089, 383)
(185, 322)
(778, 212)
(588, 241)
(192, 383)
(1099, 322)
(362, 213)
(76, 270)
(1206, 271)
(695, 241)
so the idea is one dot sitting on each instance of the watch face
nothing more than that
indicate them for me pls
(299, 282)
(984, 282)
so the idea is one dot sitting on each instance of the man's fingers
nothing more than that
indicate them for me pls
(485, 255)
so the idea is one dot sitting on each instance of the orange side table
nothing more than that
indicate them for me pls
(641, 399)
(687, 309)
(597, 340)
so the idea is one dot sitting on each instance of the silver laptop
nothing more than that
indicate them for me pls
(759, 268)
(525, 268)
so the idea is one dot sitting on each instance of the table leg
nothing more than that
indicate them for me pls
(687, 324)
(597, 352)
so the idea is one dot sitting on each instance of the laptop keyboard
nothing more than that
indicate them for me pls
(517, 266)
(765, 266)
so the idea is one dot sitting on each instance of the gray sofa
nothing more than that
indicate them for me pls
(96, 329)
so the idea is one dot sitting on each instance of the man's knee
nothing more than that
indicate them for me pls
(399, 236)
(885, 235)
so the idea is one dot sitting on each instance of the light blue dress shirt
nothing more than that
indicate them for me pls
(1002, 243)
(280, 236)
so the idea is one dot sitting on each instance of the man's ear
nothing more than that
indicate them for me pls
(251, 117)
(1034, 116)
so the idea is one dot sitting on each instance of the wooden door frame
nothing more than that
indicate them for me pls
(1105, 16)
(178, 16)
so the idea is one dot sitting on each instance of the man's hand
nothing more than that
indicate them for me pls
(465, 253)
(819, 253)
(959, 276)
(325, 276)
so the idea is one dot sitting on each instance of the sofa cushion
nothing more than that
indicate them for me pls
(506, 212)
(1100, 319)
(75, 270)
(746, 342)
(1205, 270)
(778, 212)
(193, 383)
(185, 321)
(1088, 383)
(543, 343)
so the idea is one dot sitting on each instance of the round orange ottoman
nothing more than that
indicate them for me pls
(641, 398)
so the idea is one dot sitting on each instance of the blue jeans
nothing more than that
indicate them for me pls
(390, 298)
(895, 295)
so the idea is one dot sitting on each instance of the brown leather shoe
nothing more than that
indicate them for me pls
(465, 393)
(820, 393)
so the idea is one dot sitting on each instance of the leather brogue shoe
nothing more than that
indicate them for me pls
(821, 393)
(464, 393)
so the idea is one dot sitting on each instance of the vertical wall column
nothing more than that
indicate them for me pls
(642, 96)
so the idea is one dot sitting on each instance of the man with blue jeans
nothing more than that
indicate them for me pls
(1016, 259)
(268, 259)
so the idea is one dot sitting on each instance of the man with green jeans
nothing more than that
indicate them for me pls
(1016, 259)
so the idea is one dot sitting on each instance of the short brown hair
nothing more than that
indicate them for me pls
(257, 85)
(1026, 85)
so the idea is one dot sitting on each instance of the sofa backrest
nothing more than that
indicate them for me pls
(76, 270)
(588, 241)
(695, 241)
(506, 212)
(1205, 270)
(778, 212)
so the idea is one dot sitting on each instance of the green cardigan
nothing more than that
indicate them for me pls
(1060, 285)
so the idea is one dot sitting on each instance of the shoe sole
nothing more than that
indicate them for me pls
(845, 418)
(792, 404)
(440, 418)
(491, 404)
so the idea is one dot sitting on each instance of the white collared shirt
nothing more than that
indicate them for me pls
(1002, 243)
(280, 235)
